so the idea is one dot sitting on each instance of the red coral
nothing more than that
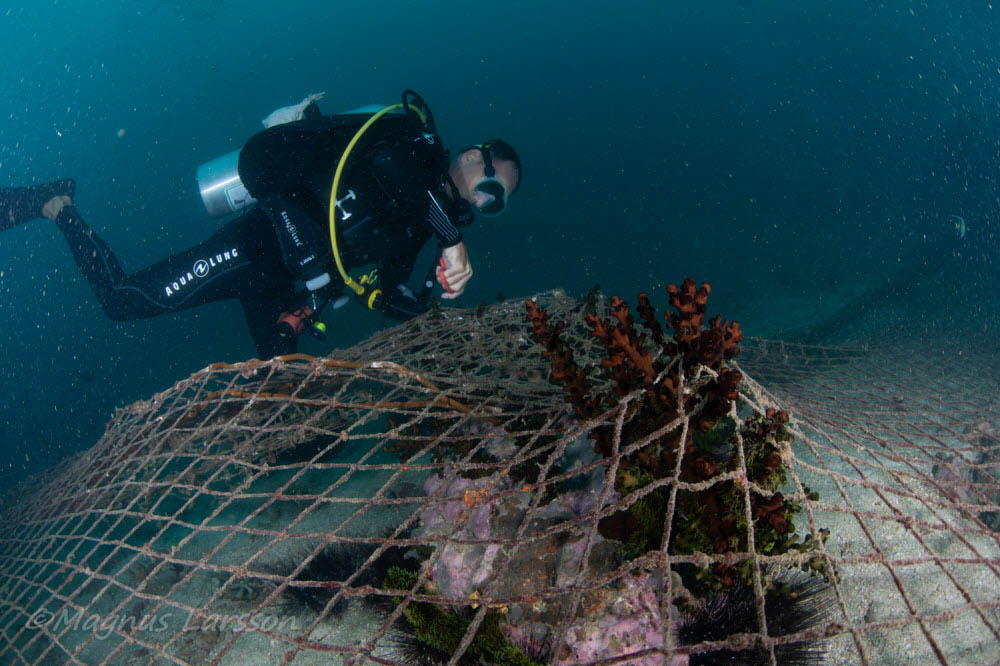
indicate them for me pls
(630, 364)
(564, 368)
(726, 573)
(539, 319)
(720, 341)
(771, 511)
(690, 306)
(710, 517)
(648, 314)
(699, 468)
(767, 427)
(770, 423)
(720, 394)
(770, 463)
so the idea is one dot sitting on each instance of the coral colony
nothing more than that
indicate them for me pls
(682, 450)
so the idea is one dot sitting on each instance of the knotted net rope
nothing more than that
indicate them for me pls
(428, 496)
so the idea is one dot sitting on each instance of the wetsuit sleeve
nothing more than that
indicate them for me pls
(445, 230)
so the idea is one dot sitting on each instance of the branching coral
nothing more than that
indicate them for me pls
(683, 376)
(564, 368)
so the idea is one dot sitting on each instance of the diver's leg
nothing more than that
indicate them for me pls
(20, 204)
(218, 269)
(242, 260)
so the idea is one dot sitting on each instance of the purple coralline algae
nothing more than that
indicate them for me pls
(619, 619)
(464, 512)
(624, 621)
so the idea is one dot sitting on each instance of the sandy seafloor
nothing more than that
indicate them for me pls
(871, 594)
(919, 392)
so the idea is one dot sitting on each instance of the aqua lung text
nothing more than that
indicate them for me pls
(200, 269)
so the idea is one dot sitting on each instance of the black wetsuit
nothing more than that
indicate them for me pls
(392, 200)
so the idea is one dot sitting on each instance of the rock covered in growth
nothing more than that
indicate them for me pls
(464, 512)
(619, 621)
(470, 510)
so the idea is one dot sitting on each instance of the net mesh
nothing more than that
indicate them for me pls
(430, 496)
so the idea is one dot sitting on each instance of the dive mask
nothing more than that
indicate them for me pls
(490, 186)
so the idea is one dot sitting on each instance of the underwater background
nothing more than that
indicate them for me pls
(804, 158)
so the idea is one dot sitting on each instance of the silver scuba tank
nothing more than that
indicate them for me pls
(222, 191)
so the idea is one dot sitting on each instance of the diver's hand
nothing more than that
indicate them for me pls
(457, 270)
(54, 206)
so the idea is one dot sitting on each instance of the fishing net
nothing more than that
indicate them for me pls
(433, 496)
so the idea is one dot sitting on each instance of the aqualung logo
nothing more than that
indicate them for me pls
(200, 269)
(292, 231)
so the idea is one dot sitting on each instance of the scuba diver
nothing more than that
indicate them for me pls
(315, 196)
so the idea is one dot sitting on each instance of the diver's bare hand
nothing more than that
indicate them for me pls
(457, 270)
(54, 206)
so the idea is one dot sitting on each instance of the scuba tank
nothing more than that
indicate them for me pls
(221, 189)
